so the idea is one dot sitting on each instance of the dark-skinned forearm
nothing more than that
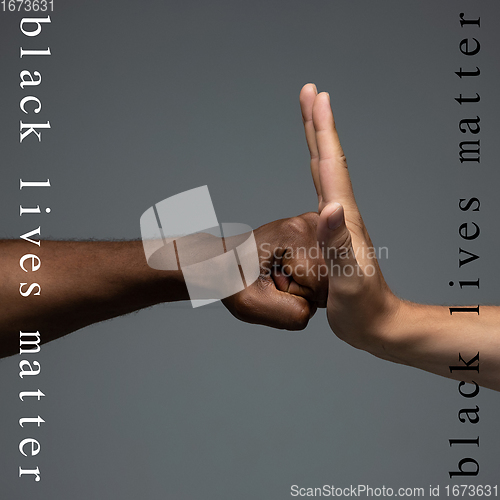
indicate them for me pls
(79, 283)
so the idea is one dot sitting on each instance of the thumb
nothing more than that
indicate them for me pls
(335, 240)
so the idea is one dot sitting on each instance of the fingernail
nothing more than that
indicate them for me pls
(336, 218)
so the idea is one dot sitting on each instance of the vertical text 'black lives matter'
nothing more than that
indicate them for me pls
(30, 132)
(469, 154)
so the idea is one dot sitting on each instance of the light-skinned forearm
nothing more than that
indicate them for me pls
(430, 338)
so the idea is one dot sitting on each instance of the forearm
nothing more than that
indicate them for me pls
(430, 338)
(79, 283)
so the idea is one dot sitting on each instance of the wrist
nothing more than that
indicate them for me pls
(397, 334)
(412, 334)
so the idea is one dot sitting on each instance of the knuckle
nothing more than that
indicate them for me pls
(301, 320)
(296, 226)
(297, 316)
(343, 161)
(311, 218)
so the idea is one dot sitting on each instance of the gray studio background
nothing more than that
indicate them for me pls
(148, 99)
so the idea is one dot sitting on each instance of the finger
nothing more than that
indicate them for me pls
(345, 275)
(307, 96)
(332, 166)
(284, 310)
(263, 304)
(284, 281)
